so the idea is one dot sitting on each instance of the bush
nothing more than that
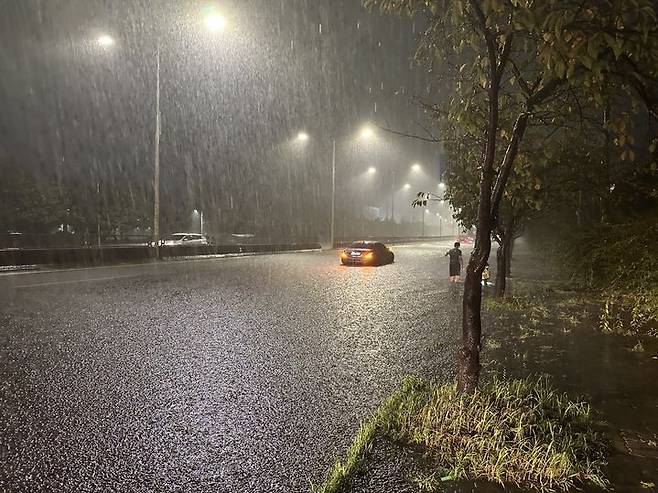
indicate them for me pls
(622, 261)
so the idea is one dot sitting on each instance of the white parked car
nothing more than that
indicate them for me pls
(177, 239)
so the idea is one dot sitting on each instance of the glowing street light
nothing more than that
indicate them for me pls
(105, 41)
(415, 167)
(367, 132)
(215, 23)
(200, 214)
(407, 186)
(442, 185)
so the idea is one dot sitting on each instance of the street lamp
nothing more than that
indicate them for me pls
(105, 41)
(415, 167)
(215, 22)
(442, 185)
(367, 132)
(200, 214)
(407, 186)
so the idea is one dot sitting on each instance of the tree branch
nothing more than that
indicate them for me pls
(433, 140)
(519, 78)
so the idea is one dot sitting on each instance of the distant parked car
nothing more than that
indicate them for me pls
(178, 239)
(367, 253)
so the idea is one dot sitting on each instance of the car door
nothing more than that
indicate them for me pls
(195, 240)
(383, 255)
(380, 253)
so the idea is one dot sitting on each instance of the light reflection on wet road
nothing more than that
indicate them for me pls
(242, 374)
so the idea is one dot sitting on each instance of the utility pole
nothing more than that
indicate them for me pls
(333, 192)
(98, 211)
(156, 177)
(393, 180)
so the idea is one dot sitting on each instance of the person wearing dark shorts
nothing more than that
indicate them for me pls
(456, 262)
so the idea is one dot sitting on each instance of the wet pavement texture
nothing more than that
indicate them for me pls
(245, 374)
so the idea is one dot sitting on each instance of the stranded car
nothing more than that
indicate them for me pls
(366, 253)
(177, 239)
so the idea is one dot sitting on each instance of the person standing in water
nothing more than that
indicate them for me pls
(456, 262)
(486, 275)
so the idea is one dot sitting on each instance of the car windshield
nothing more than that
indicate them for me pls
(176, 237)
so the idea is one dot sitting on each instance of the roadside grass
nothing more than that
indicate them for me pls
(533, 309)
(521, 432)
(617, 318)
(638, 348)
(492, 344)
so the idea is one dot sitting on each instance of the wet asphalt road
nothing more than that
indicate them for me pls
(241, 375)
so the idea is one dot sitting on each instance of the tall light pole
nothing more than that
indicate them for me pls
(423, 221)
(214, 22)
(333, 191)
(200, 214)
(366, 133)
(156, 171)
(393, 190)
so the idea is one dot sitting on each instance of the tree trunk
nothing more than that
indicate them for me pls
(510, 252)
(469, 354)
(502, 264)
(501, 270)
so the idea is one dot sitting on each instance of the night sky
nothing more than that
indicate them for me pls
(231, 102)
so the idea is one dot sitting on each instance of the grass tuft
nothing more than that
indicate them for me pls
(638, 348)
(533, 308)
(522, 432)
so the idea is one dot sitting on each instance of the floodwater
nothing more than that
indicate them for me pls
(559, 339)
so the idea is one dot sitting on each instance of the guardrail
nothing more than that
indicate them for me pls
(92, 256)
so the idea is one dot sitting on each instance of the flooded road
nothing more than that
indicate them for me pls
(244, 374)
(253, 373)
